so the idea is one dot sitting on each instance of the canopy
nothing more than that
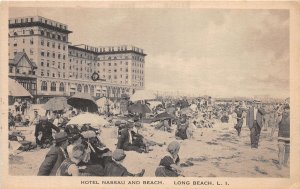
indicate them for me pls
(142, 95)
(83, 101)
(15, 89)
(88, 118)
(139, 108)
(163, 116)
(56, 104)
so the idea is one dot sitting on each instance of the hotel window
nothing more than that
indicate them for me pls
(53, 44)
(109, 64)
(23, 31)
(42, 63)
(31, 51)
(58, 56)
(58, 66)
(53, 55)
(31, 19)
(47, 64)
(42, 32)
(44, 86)
(31, 41)
(64, 65)
(48, 34)
(115, 64)
(58, 37)
(42, 73)
(64, 75)
(42, 53)
(116, 77)
(18, 71)
(48, 54)
(53, 36)
(58, 74)
(42, 42)
(10, 69)
(61, 87)
(64, 57)
(126, 70)
(53, 74)
(23, 40)
(31, 32)
(48, 43)
(64, 47)
(115, 70)
(64, 38)
(15, 34)
(58, 46)
(15, 43)
(53, 86)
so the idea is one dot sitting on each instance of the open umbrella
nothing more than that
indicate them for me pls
(171, 110)
(163, 116)
(102, 102)
(88, 118)
(139, 108)
(84, 102)
(56, 104)
(15, 89)
(142, 95)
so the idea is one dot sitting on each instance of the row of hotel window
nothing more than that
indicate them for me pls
(44, 86)
(42, 43)
(72, 53)
(46, 34)
(53, 55)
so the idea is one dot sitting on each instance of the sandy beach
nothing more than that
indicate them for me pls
(218, 152)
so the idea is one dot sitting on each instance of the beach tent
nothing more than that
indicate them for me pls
(15, 89)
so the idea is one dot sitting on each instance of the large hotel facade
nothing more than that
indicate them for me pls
(44, 61)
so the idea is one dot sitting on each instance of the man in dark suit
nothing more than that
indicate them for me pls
(129, 140)
(43, 132)
(55, 156)
(254, 121)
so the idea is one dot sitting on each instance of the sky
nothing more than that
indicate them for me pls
(217, 52)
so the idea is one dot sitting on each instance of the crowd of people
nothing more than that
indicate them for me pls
(79, 150)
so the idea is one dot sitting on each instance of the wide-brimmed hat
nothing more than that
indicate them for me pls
(60, 137)
(118, 155)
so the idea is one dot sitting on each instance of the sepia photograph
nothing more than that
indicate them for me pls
(124, 91)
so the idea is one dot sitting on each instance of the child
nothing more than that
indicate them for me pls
(168, 166)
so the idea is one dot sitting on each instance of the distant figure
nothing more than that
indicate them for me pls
(181, 132)
(55, 156)
(114, 168)
(255, 122)
(168, 166)
(284, 137)
(36, 118)
(239, 118)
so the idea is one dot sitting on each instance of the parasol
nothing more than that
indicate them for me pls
(56, 104)
(139, 108)
(83, 101)
(88, 118)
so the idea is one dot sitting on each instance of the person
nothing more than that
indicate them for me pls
(43, 132)
(72, 129)
(17, 106)
(55, 156)
(36, 118)
(69, 166)
(129, 140)
(284, 137)
(168, 165)
(164, 125)
(114, 168)
(239, 118)
(254, 121)
(181, 132)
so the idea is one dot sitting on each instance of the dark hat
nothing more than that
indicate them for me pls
(60, 137)
(118, 155)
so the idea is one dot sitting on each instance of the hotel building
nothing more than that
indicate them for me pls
(62, 69)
